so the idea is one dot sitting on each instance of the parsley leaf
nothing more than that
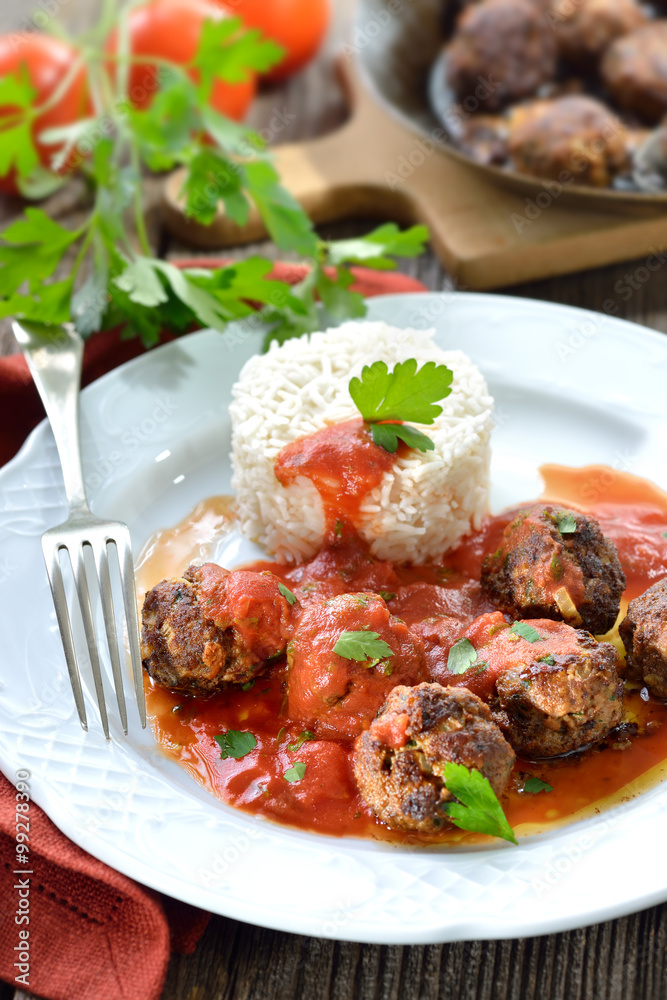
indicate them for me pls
(235, 744)
(377, 247)
(227, 51)
(387, 436)
(566, 522)
(287, 593)
(461, 656)
(295, 773)
(17, 149)
(477, 808)
(362, 646)
(300, 740)
(387, 595)
(548, 659)
(526, 631)
(535, 785)
(403, 394)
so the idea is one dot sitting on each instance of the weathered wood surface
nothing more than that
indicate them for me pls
(624, 959)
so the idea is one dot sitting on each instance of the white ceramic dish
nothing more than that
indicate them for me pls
(571, 387)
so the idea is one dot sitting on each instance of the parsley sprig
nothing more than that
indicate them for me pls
(477, 807)
(104, 273)
(363, 645)
(387, 399)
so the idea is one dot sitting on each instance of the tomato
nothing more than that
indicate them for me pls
(46, 61)
(298, 25)
(170, 29)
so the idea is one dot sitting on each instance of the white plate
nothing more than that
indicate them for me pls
(571, 387)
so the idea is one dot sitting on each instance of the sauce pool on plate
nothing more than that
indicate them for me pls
(266, 781)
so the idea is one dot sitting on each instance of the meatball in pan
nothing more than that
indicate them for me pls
(634, 69)
(566, 138)
(210, 628)
(644, 635)
(556, 563)
(585, 28)
(501, 51)
(399, 761)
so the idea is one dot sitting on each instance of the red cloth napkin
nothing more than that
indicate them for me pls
(93, 933)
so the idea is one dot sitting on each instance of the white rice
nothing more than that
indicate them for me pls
(422, 507)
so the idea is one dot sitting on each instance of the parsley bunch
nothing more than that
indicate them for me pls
(104, 273)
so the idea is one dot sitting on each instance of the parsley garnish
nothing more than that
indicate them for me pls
(526, 631)
(362, 646)
(235, 744)
(300, 740)
(548, 659)
(461, 656)
(535, 785)
(296, 772)
(248, 685)
(43, 265)
(565, 522)
(401, 395)
(287, 593)
(387, 595)
(477, 807)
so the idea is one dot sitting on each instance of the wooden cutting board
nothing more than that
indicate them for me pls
(486, 236)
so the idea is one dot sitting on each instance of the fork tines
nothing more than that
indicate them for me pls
(98, 538)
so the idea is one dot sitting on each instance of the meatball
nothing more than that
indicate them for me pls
(210, 628)
(501, 51)
(572, 136)
(338, 695)
(634, 69)
(586, 28)
(644, 635)
(399, 762)
(555, 695)
(556, 563)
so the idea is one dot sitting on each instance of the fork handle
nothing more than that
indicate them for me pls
(54, 355)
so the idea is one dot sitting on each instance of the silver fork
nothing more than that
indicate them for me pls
(54, 355)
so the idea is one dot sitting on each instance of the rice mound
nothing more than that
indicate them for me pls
(422, 507)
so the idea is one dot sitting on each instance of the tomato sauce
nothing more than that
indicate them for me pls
(631, 511)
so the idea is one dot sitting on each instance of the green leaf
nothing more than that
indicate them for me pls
(362, 646)
(295, 773)
(287, 593)
(336, 297)
(387, 436)
(477, 808)
(17, 149)
(235, 744)
(51, 305)
(211, 179)
(404, 394)
(566, 522)
(300, 740)
(461, 656)
(142, 283)
(375, 248)
(526, 631)
(387, 595)
(548, 659)
(535, 785)
(289, 226)
(227, 51)
(34, 247)
(203, 304)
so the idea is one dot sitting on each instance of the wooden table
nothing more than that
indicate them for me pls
(620, 960)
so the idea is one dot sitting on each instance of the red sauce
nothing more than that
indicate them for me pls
(632, 512)
(343, 463)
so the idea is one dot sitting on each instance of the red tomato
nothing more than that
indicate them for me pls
(46, 61)
(170, 29)
(298, 25)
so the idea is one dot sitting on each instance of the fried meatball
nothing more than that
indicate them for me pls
(501, 51)
(556, 563)
(566, 137)
(210, 628)
(634, 69)
(644, 635)
(584, 29)
(555, 695)
(337, 695)
(399, 762)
